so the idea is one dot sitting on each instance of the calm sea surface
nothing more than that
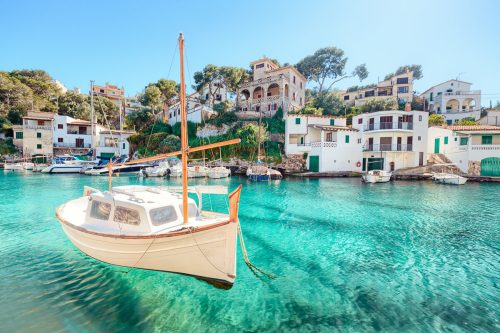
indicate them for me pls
(396, 257)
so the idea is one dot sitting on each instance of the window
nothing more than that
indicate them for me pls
(293, 97)
(259, 66)
(60, 126)
(127, 215)
(19, 135)
(301, 101)
(370, 93)
(268, 107)
(297, 121)
(163, 215)
(445, 140)
(431, 98)
(300, 84)
(487, 139)
(402, 80)
(100, 210)
(192, 210)
(420, 118)
(346, 97)
(359, 140)
(464, 141)
(294, 79)
(403, 90)
(40, 123)
(38, 135)
(60, 140)
(347, 139)
(332, 122)
(419, 138)
(329, 137)
(123, 145)
(360, 120)
(39, 146)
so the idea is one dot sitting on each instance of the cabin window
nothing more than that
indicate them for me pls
(163, 215)
(127, 215)
(192, 210)
(100, 210)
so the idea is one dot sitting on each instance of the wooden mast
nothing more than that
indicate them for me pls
(184, 138)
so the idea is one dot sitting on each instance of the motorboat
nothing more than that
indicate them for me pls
(118, 169)
(197, 171)
(159, 170)
(451, 179)
(158, 228)
(13, 166)
(67, 164)
(218, 172)
(376, 176)
(258, 173)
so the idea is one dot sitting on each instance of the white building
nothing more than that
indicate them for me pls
(271, 87)
(454, 99)
(492, 118)
(474, 149)
(330, 145)
(113, 143)
(73, 134)
(398, 88)
(393, 139)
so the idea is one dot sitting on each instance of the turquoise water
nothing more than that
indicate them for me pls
(397, 257)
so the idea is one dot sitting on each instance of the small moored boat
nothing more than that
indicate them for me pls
(376, 176)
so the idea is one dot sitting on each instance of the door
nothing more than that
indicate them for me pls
(375, 163)
(421, 158)
(399, 143)
(490, 167)
(314, 163)
(371, 123)
(79, 143)
(436, 146)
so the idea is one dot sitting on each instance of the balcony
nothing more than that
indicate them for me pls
(388, 126)
(492, 148)
(78, 132)
(462, 93)
(388, 147)
(40, 127)
(70, 145)
(324, 144)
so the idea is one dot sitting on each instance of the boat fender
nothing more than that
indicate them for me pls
(358, 164)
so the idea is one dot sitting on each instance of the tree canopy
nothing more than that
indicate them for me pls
(328, 64)
(416, 69)
(215, 78)
(436, 120)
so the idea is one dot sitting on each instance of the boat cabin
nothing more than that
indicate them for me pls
(136, 211)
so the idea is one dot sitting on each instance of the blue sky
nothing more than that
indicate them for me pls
(131, 43)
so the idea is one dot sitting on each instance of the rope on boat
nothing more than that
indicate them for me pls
(252, 267)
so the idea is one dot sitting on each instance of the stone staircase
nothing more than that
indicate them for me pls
(433, 165)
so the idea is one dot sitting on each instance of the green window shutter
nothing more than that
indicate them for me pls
(486, 139)
(347, 139)
(432, 97)
(19, 135)
(38, 135)
(297, 121)
(464, 141)
(332, 122)
(38, 146)
(445, 140)
(301, 140)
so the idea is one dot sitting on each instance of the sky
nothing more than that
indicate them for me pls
(131, 43)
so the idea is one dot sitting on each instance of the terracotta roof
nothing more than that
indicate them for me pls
(472, 128)
(313, 116)
(334, 128)
(117, 132)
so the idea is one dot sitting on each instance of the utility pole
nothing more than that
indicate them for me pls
(92, 129)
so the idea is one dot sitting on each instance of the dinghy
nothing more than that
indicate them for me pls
(376, 176)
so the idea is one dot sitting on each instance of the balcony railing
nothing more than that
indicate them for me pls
(324, 144)
(77, 132)
(388, 126)
(457, 93)
(388, 147)
(38, 127)
(71, 145)
(486, 147)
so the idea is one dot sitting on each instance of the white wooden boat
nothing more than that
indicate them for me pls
(175, 171)
(38, 167)
(376, 176)
(28, 166)
(142, 227)
(13, 166)
(197, 171)
(451, 179)
(218, 172)
(156, 228)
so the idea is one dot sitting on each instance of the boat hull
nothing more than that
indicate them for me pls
(372, 179)
(259, 178)
(63, 168)
(209, 254)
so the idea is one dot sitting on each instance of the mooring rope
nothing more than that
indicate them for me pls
(252, 267)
